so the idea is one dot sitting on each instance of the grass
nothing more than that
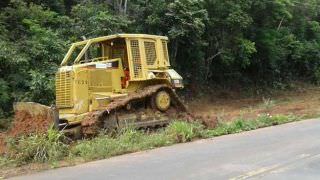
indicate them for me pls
(268, 103)
(37, 148)
(52, 147)
(241, 125)
(181, 132)
(4, 123)
(131, 140)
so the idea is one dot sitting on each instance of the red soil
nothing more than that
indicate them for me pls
(303, 102)
(25, 123)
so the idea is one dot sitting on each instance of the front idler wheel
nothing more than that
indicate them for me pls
(161, 100)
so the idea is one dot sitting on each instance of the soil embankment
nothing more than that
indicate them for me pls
(29, 118)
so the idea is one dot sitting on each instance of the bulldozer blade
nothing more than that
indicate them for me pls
(32, 117)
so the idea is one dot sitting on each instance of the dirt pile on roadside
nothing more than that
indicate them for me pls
(25, 123)
(209, 121)
(29, 118)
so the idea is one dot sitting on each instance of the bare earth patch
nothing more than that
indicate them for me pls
(304, 102)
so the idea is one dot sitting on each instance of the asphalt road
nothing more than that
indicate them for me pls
(290, 151)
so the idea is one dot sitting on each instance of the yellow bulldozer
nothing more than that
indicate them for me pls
(110, 82)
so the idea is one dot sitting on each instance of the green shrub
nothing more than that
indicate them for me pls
(4, 161)
(38, 147)
(102, 146)
(156, 140)
(240, 125)
(183, 131)
(268, 120)
(131, 139)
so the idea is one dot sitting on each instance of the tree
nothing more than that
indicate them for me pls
(224, 42)
(93, 19)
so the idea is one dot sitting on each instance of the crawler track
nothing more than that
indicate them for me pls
(140, 114)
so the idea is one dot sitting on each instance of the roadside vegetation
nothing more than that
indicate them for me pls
(265, 43)
(53, 147)
(229, 44)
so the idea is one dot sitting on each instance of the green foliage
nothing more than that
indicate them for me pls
(50, 147)
(228, 42)
(246, 50)
(38, 148)
(96, 19)
(100, 147)
(131, 140)
(41, 87)
(4, 96)
(183, 132)
(268, 120)
(241, 125)
(128, 140)
(32, 45)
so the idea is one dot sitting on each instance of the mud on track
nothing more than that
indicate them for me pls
(92, 123)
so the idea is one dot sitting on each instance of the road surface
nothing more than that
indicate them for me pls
(290, 151)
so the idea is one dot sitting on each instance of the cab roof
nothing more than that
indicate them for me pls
(104, 38)
(88, 42)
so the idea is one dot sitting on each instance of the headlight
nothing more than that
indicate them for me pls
(177, 83)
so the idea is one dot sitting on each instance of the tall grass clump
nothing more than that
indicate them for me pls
(102, 146)
(47, 147)
(182, 131)
(268, 103)
(4, 161)
(133, 140)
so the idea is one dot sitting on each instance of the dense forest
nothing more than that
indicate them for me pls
(212, 42)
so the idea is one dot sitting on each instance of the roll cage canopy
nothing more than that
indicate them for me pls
(86, 44)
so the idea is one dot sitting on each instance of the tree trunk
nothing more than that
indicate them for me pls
(174, 53)
(121, 6)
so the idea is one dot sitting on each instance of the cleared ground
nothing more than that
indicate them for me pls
(303, 100)
(288, 151)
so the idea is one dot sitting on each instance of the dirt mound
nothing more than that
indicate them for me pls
(29, 118)
(25, 123)
(209, 121)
